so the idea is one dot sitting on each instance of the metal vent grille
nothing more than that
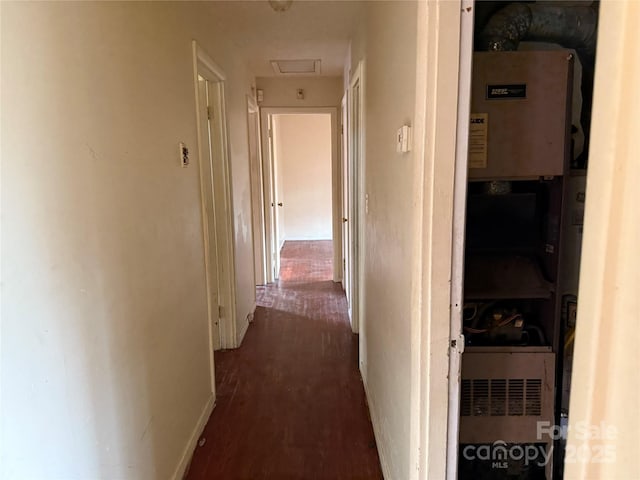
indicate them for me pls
(499, 397)
(533, 407)
(516, 396)
(465, 400)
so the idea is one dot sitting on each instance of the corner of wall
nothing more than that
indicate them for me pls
(378, 433)
(187, 454)
(244, 326)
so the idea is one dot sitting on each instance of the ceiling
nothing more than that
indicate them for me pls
(308, 30)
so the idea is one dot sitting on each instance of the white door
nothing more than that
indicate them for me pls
(275, 202)
(346, 204)
(279, 194)
(354, 171)
(257, 196)
(211, 253)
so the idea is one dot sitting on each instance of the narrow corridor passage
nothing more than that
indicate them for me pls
(290, 402)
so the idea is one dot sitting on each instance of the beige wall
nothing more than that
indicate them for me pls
(389, 225)
(411, 52)
(605, 388)
(104, 355)
(318, 91)
(303, 149)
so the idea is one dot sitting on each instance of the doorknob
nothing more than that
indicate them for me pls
(344, 220)
(279, 204)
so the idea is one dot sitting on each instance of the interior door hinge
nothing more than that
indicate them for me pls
(270, 133)
(220, 311)
(209, 114)
(457, 344)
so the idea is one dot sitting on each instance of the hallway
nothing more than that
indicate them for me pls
(290, 401)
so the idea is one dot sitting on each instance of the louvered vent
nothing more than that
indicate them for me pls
(499, 397)
(516, 396)
(533, 407)
(465, 401)
(480, 398)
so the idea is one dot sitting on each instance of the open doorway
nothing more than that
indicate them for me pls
(301, 186)
(215, 189)
(302, 165)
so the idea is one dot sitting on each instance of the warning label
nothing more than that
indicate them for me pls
(478, 140)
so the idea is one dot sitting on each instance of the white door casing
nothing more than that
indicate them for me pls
(215, 183)
(272, 197)
(458, 235)
(257, 194)
(346, 205)
(357, 200)
(209, 220)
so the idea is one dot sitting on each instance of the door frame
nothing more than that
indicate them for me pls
(266, 115)
(256, 177)
(220, 183)
(456, 336)
(344, 196)
(356, 186)
(437, 128)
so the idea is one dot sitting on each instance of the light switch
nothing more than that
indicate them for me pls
(403, 140)
(183, 152)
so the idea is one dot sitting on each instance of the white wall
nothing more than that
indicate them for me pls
(104, 355)
(303, 150)
(318, 91)
(390, 224)
(605, 390)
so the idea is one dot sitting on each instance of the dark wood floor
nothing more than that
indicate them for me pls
(290, 401)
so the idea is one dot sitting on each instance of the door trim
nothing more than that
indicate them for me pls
(357, 186)
(336, 202)
(458, 234)
(344, 194)
(257, 201)
(206, 67)
(436, 146)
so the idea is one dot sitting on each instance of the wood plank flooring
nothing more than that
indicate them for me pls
(290, 401)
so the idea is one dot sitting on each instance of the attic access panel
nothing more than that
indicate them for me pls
(524, 98)
(296, 67)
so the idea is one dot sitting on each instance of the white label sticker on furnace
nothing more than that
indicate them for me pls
(478, 140)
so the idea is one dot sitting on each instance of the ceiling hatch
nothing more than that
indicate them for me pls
(296, 67)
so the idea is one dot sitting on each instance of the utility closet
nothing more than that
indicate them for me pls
(532, 89)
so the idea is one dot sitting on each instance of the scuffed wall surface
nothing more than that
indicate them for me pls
(105, 366)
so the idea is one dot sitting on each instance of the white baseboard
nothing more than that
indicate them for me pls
(252, 314)
(187, 454)
(384, 465)
(242, 331)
